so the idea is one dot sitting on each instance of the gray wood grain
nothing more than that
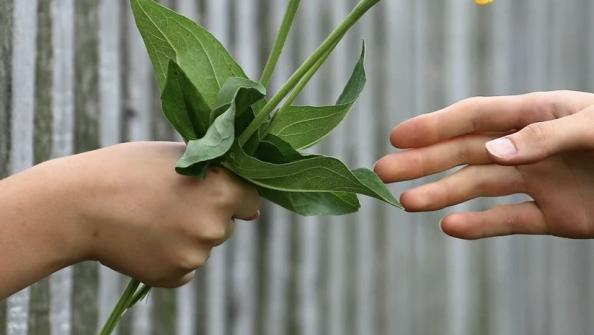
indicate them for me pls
(74, 76)
(85, 316)
(39, 305)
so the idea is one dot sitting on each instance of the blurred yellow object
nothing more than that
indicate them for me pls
(483, 2)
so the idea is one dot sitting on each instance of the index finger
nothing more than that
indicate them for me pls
(473, 115)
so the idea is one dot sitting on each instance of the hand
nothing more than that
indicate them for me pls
(124, 206)
(539, 144)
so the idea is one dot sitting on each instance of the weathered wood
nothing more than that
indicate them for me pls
(382, 271)
(277, 241)
(6, 11)
(244, 256)
(62, 89)
(22, 115)
(163, 311)
(39, 305)
(86, 137)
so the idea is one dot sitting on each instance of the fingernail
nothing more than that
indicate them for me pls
(501, 147)
(255, 217)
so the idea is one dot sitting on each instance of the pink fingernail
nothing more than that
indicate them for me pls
(255, 217)
(501, 147)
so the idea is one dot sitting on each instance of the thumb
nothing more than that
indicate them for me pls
(540, 140)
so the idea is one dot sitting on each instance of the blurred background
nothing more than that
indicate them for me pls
(74, 76)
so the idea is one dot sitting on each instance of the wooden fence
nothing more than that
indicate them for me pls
(74, 76)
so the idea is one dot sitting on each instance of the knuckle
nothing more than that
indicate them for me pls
(226, 195)
(537, 132)
(175, 281)
(215, 235)
(189, 260)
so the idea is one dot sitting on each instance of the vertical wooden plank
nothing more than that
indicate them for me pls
(278, 240)
(366, 219)
(86, 137)
(464, 309)
(39, 305)
(21, 154)
(186, 301)
(308, 228)
(244, 275)
(199, 288)
(163, 308)
(62, 90)
(138, 99)
(110, 102)
(163, 312)
(538, 55)
(338, 267)
(398, 238)
(6, 12)
(429, 242)
(216, 270)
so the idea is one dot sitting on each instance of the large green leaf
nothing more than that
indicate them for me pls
(304, 126)
(310, 174)
(168, 35)
(235, 94)
(275, 150)
(314, 203)
(183, 105)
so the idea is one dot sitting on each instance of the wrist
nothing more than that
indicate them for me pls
(61, 193)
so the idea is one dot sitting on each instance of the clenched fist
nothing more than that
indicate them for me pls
(123, 206)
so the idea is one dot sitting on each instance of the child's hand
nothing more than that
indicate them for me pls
(124, 206)
(540, 144)
(151, 223)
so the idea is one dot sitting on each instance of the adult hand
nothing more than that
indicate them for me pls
(124, 206)
(539, 144)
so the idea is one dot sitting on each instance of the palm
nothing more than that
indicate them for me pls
(563, 188)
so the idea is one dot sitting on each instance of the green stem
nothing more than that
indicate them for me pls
(310, 62)
(305, 80)
(120, 308)
(139, 295)
(279, 42)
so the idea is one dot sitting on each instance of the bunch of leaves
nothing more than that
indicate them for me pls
(227, 120)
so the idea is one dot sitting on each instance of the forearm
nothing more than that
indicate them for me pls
(39, 227)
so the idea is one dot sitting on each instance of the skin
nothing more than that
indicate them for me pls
(123, 206)
(551, 160)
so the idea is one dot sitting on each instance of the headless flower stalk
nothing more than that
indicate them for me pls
(311, 62)
(125, 302)
(279, 43)
(304, 81)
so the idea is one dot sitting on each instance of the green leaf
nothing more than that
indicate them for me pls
(304, 126)
(252, 92)
(221, 134)
(275, 150)
(170, 36)
(312, 204)
(183, 105)
(310, 174)
(373, 182)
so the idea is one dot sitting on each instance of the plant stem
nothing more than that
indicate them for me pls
(139, 295)
(279, 42)
(310, 62)
(120, 308)
(304, 81)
